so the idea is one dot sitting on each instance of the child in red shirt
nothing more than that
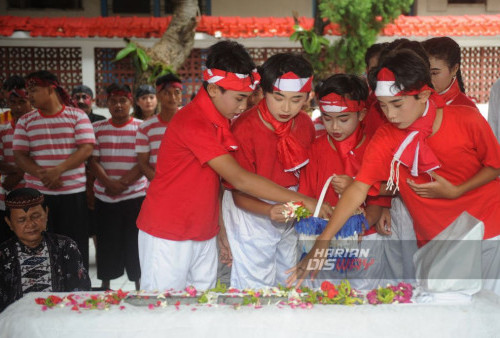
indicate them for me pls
(444, 57)
(340, 153)
(179, 218)
(274, 137)
(442, 160)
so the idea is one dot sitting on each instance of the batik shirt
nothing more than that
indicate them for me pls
(67, 272)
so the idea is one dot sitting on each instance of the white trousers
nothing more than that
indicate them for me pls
(490, 260)
(262, 250)
(402, 244)
(167, 264)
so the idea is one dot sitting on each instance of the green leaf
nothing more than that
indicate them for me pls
(131, 47)
(295, 36)
(143, 58)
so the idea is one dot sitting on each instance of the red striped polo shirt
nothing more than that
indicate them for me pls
(50, 140)
(149, 137)
(115, 147)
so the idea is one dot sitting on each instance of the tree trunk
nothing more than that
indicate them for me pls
(177, 42)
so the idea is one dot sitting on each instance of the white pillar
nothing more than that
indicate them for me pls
(88, 66)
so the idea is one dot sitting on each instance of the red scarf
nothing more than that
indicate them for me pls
(291, 153)
(414, 152)
(345, 150)
(450, 93)
(222, 124)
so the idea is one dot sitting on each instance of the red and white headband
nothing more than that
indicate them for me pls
(334, 103)
(38, 82)
(290, 82)
(128, 95)
(386, 85)
(173, 84)
(19, 93)
(232, 81)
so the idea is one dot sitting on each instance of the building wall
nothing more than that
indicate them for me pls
(278, 8)
(441, 7)
(90, 8)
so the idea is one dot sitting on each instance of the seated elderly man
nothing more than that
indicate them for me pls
(35, 260)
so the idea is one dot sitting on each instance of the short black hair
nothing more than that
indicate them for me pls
(167, 79)
(82, 89)
(410, 70)
(44, 75)
(229, 56)
(14, 82)
(282, 63)
(352, 86)
(118, 86)
(446, 49)
(374, 50)
(404, 43)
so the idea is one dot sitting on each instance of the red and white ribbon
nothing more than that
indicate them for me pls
(290, 82)
(232, 81)
(335, 103)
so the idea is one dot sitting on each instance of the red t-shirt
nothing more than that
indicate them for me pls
(324, 161)
(182, 200)
(374, 118)
(463, 144)
(257, 150)
(462, 100)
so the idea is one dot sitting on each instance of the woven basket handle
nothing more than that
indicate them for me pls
(322, 196)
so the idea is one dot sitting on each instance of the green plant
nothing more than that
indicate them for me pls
(143, 62)
(359, 22)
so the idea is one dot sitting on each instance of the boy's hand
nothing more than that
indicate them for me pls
(325, 211)
(341, 182)
(440, 188)
(276, 213)
(383, 226)
(225, 255)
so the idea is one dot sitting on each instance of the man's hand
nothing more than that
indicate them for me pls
(440, 188)
(50, 177)
(115, 187)
(11, 181)
(341, 182)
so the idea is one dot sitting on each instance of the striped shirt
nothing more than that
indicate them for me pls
(149, 137)
(115, 148)
(7, 156)
(50, 140)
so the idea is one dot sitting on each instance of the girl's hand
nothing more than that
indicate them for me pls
(309, 266)
(341, 182)
(439, 188)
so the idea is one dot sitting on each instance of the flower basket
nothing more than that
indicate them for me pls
(310, 228)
